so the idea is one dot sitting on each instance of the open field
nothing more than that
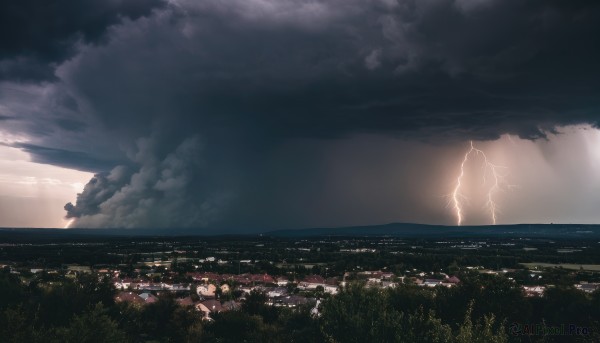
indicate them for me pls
(590, 267)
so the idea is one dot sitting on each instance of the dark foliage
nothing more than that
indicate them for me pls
(481, 309)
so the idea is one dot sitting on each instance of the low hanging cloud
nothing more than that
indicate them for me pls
(167, 192)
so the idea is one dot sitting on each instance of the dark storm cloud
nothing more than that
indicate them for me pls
(36, 34)
(250, 76)
(71, 125)
(332, 68)
(64, 158)
(159, 193)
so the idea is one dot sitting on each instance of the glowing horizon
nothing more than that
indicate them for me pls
(32, 194)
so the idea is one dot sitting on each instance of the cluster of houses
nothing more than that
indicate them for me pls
(448, 281)
(210, 288)
(144, 285)
(588, 287)
(206, 291)
(204, 306)
(242, 279)
(315, 282)
(377, 279)
(534, 291)
(538, 290)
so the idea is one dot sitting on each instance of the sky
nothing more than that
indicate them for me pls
(248, 115)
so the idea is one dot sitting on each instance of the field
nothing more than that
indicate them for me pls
(589, 267)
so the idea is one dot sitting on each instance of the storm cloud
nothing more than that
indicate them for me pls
(37, 35)
(332, 68)
(154, 195)
(271, 88)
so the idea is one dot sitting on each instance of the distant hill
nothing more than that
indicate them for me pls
(407, 230)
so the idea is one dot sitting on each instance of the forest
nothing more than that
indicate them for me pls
(482, 308)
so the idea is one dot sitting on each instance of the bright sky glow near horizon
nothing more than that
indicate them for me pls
(279, 114)
(33, 194)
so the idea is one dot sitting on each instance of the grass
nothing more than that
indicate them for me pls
(588, 267)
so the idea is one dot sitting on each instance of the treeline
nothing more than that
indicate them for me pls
(480, 309)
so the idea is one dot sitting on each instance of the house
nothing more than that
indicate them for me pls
(187, 301)
(123, 284)
(265, 278)
(416, 281)
(314, 279)
(453, 279)
(202, 308)
(79, 269)
(175, 287)
(330, 289)
(248, 289)
(246, 279)
(206, 290)
(534, 291)
(387, 276)
(129, 297)
(148, 286)
(312, 282)
(293, 301)
(213, 305)
(588, 287)
(231, 306)
(432, 282)
(388, 284)
(208, 307)
(243, 279)
(379, 275)
(282, 281)
(206, 277)
(148, 298)
(332, 281)
(276, 292)
(205, 310)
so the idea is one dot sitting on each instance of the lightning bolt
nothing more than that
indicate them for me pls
(69, 223)
(497, 183)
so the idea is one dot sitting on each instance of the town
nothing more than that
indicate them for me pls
(212, 276)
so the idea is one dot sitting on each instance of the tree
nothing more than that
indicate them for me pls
(369, 315)
(94, 326)
(483, 332)
(11, 291)
(237, 326)
(16, 325)
(255, 302)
